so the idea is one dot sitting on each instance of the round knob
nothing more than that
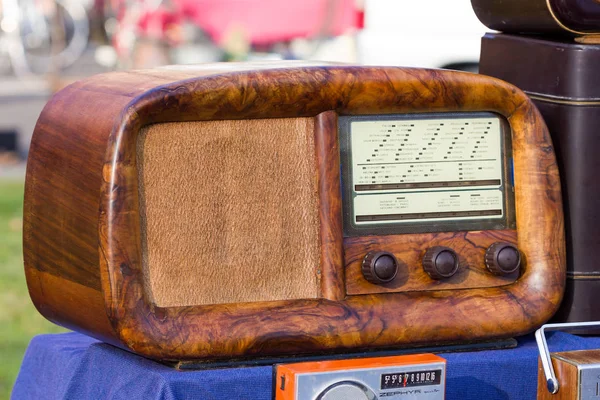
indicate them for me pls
(440, 262)
(379, 267)
(502, 258)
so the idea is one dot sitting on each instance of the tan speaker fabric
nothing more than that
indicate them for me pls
(229, 211)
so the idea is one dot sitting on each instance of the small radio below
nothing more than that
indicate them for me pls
(418, 377)
(568, 375)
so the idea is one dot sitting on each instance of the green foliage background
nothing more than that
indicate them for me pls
(19, 320)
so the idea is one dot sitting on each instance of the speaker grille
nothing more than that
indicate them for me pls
(229, 211)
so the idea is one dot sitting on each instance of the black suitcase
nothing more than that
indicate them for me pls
(563, 79)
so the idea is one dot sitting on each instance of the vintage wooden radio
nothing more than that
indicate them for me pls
(233, 211)
(570, 17)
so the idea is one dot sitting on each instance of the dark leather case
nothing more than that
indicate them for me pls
(574, 17)
(563, 80)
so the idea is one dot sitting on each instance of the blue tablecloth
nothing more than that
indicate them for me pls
(74, 366)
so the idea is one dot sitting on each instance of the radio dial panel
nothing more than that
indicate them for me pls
(439, 189)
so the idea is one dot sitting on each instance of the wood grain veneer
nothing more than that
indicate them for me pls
(226, 210)
(568, 381)
(82, 213)
(330, 206)
(566, 368)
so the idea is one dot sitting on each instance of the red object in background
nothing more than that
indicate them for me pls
(360, 19)
(259, 22)
(156, 23)
(270, 21)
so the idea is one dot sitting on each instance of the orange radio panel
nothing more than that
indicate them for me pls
(419, 377)
(241, 210)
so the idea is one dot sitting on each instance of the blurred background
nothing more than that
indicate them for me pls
(48, 44)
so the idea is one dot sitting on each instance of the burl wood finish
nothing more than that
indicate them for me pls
(330, 206)
(566, 370)
(82, 241)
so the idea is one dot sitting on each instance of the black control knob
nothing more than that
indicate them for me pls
(440, 262)
(502, 258)
(379, 267)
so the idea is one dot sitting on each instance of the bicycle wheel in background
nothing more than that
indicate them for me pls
(53, 33)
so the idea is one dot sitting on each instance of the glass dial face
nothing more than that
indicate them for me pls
(429, 172)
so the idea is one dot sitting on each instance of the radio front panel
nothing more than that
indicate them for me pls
(403, 176)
